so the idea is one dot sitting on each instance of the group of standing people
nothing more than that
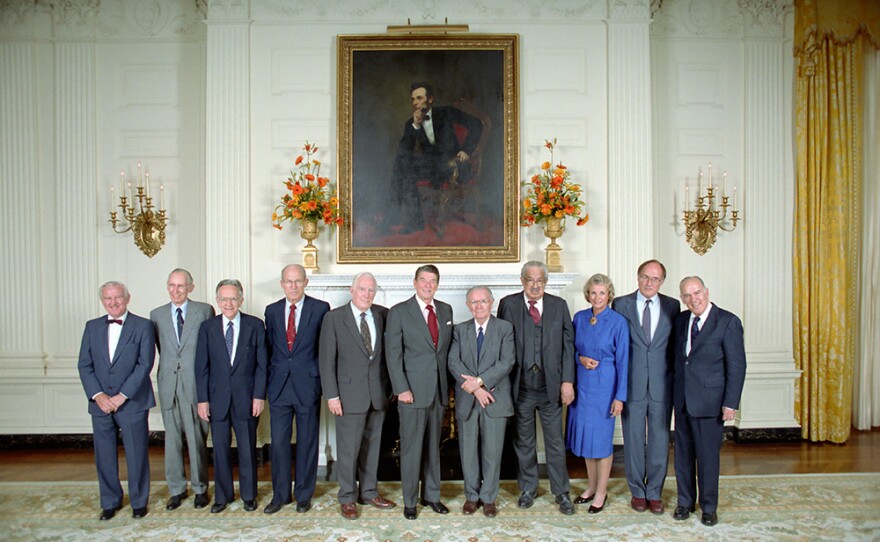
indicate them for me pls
(640, 359)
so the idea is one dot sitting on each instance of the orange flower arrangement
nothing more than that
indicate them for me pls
(309, 196)
(550, 194)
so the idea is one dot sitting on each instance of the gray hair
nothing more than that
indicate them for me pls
(361, 275)
(302, 269)
(475, 288)
(599, 280)
(230, 282)
(112, 283)
(187, 274)
(532, 264)
(692, 277)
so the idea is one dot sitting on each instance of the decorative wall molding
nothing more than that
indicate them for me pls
(629, 10)
(151, 19)
(765, 18)
(697, 18)
(74, 19)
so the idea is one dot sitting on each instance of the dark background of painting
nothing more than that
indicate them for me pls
(381, 105)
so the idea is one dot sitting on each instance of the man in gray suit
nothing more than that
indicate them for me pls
(542, 381)
(355, 382)
(176, 325)
(416, 347)
(647, 413)
(480, 359)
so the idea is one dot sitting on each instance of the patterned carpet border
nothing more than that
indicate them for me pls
(777, 508)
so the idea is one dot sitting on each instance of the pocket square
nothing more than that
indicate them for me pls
(448, 323)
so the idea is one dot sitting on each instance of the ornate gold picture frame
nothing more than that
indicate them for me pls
(440, 184)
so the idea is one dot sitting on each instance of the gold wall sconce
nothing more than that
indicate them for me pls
(702, 224)
(138, 217)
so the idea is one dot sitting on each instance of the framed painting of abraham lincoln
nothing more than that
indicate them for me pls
(428, 148)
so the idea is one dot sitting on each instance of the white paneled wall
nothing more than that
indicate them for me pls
(216, 105)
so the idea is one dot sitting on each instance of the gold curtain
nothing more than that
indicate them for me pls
(830, 39)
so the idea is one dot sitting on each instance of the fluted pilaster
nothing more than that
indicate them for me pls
(227, 168)
(21, 339)
(630, 188)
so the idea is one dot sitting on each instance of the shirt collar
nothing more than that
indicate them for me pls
(484, 325)
(123, 317)
(641, 298)
(357, 312)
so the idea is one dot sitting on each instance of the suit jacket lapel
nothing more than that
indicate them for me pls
(188, 325)
(418, 317)
(664, 323)
(708, 327)
(124, 337)
(243, 328)
(352, 323)
(380, 332)
(635, 316)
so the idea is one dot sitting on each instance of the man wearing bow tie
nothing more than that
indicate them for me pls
(115, 360)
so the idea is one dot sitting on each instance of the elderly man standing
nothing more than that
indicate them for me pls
(176, 326)
(293, 328)
(115, 360)
(355, 382)
(648, 411)
(417, 344)
(481, 358)
(710, 370)
(542, 381)
(231, 388)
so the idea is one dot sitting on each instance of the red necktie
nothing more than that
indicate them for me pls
(291, 327)
(432, 325)
(533, 312)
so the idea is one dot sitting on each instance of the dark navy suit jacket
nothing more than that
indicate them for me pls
(299, 367)
(224, 385)
(130, 371)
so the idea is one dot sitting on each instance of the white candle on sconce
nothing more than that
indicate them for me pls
(122, 182)
(130, 194)
(687, 198)
(725, 183)
(112, 199)
(147, 175)
(710, 175)
(140, 177)
(161, 197)
(700, 185)
(734, 198)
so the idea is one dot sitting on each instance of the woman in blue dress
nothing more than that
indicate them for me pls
(601, 340)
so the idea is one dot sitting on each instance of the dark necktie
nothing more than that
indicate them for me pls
(533, 312)
(646, 321)
(695, 330)
(230, 335)
(179, 325)
(291, 327)
(480, 338)
(433, 327)
(365, 334)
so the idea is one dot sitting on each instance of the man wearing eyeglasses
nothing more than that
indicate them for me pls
(480, 359)
(542, 381)
(231, 388)
(648, 410)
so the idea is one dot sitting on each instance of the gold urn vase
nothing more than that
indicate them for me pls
(309, 232)
(553, 229)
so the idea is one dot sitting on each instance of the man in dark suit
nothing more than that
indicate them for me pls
(481, 358)
(176, 326)
(355, 383)
(542, 381)
(417, 343)
(231, 389)
(293, 329)
(710, 369)
(115, 360)
(647, 412)
(431, 151)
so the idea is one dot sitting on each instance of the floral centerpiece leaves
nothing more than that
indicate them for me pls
(308, 197)
(551, 194)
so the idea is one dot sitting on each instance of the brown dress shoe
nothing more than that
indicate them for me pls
(639, 504)
(349, 510)
(378, 502)
(470, 507)
(656, 507)
(489, 510)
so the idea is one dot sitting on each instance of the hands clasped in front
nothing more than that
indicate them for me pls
(475, 387)
(108, 404)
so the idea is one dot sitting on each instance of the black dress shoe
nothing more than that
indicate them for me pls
(681, 513)
(709, 519)
(272, 507)
(175, 500)
(201, 500)
(303, 506)
(565, 504)
(108, 513)
(138, 513)
(410, 513)
(437, 507)
(583, 500)
(216, 508)
(249, 506)
(527, 499)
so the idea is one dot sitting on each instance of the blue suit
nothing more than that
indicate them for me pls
(127, 373)
(294, 390)
(230, 389)
(709, 377)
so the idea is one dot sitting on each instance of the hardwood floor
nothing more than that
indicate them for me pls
(860, 454)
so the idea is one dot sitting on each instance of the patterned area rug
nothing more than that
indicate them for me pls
(777, 508)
